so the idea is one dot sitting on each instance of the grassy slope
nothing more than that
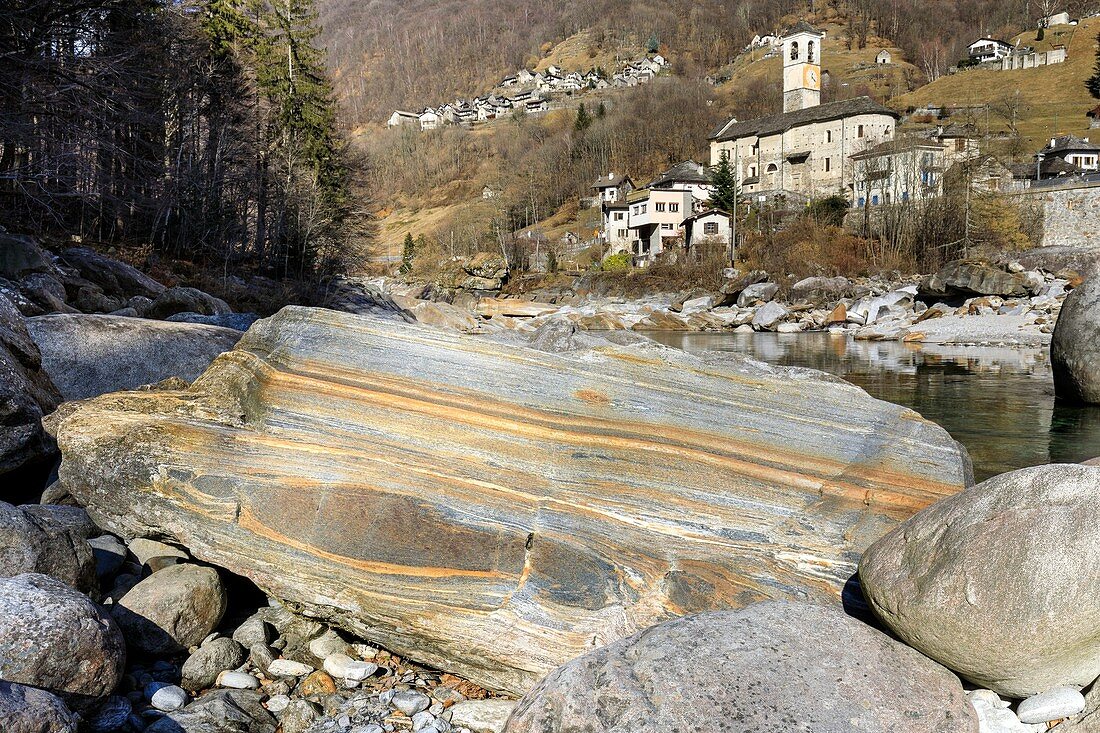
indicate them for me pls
(1053, 99)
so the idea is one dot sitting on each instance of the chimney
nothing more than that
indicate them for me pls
(1052, 141)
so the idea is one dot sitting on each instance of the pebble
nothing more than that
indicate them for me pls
(422, 720)
(317, 683)
(238, 680)
(288, 668)
(112, 715)
(329, 643)
(341, 666)
(1060, 702)
(372, 728)
(410, 702)
(169, 698)
(253, 631)
(278, 703)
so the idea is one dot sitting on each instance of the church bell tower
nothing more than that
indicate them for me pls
(801, 67)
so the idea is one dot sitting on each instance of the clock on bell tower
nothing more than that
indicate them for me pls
(801, 67)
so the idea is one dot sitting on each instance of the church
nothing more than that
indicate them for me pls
(803, 152)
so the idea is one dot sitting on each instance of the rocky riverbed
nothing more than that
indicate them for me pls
(361, 523)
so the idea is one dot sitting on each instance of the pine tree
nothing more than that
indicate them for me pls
(584, 120)
(408, 251)
(1093, 82)
(601, 111)
(724, 195)
(652, 45)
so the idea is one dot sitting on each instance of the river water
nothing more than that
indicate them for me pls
(998, 402)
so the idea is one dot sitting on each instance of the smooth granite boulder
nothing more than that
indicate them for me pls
(89, 355)
(493, 509)
(26, 393)
(775, 666)
(30, 710)
(31, 543)
(1075, 346)
(962, 279)
(55, 638)
(172, 609)
(999, 582)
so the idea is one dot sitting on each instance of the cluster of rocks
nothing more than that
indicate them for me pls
(79, 324)
(157, 653)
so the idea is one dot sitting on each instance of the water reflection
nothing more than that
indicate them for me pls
(998, 402)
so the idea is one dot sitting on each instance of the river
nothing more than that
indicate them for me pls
(998, 402)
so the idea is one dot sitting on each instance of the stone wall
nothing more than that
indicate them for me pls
(1071, 214)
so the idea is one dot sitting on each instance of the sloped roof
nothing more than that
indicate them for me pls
(802, 27)
(706, 213)
(611, 180)
(1048, 168)
(777, 123)
(891, 147)
(1068, 143)
(686, 172)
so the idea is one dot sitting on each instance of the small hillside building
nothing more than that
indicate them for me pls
(988, 49)
(656, 216)
(429, 119)
(613, 187)
(884, 57)
(1055, 19)
(401, 117)
(686, 176)
(709, 225)
(1076, 151)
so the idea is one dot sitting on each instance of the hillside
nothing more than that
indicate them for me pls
(1052, 99)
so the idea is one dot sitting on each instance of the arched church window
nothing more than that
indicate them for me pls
(772, 168)
(810, 52)
(794, 50)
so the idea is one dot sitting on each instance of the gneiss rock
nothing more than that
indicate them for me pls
(26, 393)
(324, 459)
(768, 316)
(1075, 346)
(998, 582)
(56, 638)
(774, 666)
(114, 277)
(172, 609)
(33, 543)
(224, 711)
(215, 656)
(186, 300)
(482, 716)
(29, 710)
(966, 279)
(757, 293)
(89, 355)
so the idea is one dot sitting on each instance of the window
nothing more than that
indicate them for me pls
(794, 50)
(755, 148)
(874, 200)
(710, 227)
(828, 165)
(618, 216)
(666, 226)
(828, 136)
(904, 195)
(674, 208)
(752, 171)
(659, 206)
(810, 52)
(622, 234)
(772, 168)
(862, 201)
(859, 133)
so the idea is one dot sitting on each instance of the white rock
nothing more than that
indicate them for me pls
(341, 666)
(410, 702)
(988, 698)
(365, 651)
(422, 720)
(329, 643)
(278, 703)
(237, 680)
(1061, 702)
(789, 328)
(482, 716)
(288, 668)
(169, 698)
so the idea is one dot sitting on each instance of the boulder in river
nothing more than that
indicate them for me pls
(495, 509)
(775, 666)
(1075, 346)
(999, 582)
(55, 638)
(186, 300)
(39, 544)
(26, 393)
(89, 355)
(963, 279)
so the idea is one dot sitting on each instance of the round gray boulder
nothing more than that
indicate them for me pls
(999, 582)
(1075, 346)
(29, 710)
(57, 639)
(202, 668)
(773, 666)
(171, 610)
(35, 543)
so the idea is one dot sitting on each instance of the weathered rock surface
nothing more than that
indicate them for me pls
(186, 300)
(965, 279)
(497, 510)
(30, 710)
(113, 277)
(30, 543)
(489, 307)
(89, 355)
(1075, 346)
(172, 609)
(26, 393)
(225, 711)
(202, 668)
(999, 582)
(775, 666)
(55, 638)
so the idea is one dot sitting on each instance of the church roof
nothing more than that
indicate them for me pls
(778, 123)
(802, 27)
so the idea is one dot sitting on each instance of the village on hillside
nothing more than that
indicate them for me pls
(530, 92)
(856, 149)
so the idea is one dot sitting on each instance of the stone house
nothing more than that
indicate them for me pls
(429, 119)
(1076, 151)
(401, 117)
(804, 150)
(711, 225)
(686, 176)
(988, 49)
(884, 57)
(613, 187)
